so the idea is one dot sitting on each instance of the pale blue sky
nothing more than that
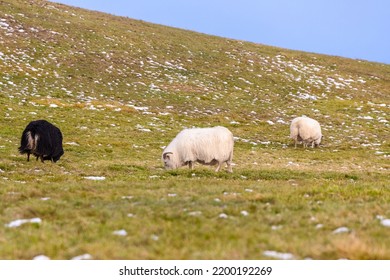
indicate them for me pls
(350, 28)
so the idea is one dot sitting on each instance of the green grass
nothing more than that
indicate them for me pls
(124, 88)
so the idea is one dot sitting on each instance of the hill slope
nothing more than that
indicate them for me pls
(121, 89)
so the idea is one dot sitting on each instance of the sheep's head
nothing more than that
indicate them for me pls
(169, 162)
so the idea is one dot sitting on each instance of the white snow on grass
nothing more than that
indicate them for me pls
(223, 216)
(368, 118)
(306, 96)
(276, 227)
(195, 213)
(244, 213)
(72, 144)
(120, 232)
(19, 222)
(278, 255)
(319, 226)
(95, 178)
(41, 258)
(139, 108)
(385, 222)
(341, 230)
(82, 257)
(141, 128)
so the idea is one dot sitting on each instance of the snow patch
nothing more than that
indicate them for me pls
(82, 257)
(278, 255)
(223, 216)
(244, 213)
(154, 237)
(95, 178)
(385, 222)
(366, 118)
(19, 222)
(195, 213)
(120, 232)
(341, 230)
(41, 258)
(72, 144)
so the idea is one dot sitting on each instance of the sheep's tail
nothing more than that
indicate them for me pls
(29, 143)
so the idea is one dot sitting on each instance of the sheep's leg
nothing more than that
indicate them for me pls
(28, 156)
(229, 166)
(218, 167)
(41, 157)
(190, 165)
(296, 141)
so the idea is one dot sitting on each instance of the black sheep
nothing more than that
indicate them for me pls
(43, 140)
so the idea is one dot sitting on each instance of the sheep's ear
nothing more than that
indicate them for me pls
(166, 155)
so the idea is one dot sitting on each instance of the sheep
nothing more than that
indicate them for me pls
(305, 130)
(208, 146)
(43, 140)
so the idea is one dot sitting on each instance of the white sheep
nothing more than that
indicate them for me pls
(208, 146)
(305, 130)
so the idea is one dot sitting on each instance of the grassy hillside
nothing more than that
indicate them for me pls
(121, 89)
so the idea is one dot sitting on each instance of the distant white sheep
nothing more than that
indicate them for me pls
(305, 130)
(208, 146)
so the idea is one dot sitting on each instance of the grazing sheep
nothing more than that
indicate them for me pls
(208, 146)
(305, 130)
(43, 140)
